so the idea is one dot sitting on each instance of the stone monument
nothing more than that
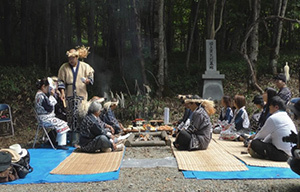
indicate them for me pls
(212, 87)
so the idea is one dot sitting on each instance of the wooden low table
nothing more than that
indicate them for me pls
(148, 127)
(159, 138)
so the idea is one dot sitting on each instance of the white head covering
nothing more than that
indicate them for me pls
(52, 84)
(17, 148)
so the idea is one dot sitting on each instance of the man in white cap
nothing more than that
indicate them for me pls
(74, 76)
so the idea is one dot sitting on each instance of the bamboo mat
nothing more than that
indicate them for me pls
(212, 159)
(235, 148)
(89, 163)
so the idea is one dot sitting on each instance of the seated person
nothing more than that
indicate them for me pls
(284, 92)
(267, 143)
(109, 117)
(187, 111)
(294, 161)
(93, 136)
(60, 108)
(240, 118)
(185, 121)
(225, 116)
(44, 107)
(198, 135)
(259, 103)
(268, 94)
(226, 111)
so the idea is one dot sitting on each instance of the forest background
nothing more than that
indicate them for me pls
(150, 50)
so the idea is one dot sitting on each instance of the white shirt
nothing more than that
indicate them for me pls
(278, 125)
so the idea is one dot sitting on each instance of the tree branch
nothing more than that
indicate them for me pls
(221, 16)
(243, 50)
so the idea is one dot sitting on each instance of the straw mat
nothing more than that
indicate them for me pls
(236, 148)
(214, 158)
(89, 163)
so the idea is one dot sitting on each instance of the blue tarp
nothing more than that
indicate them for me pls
(44, 160)
(253, 173)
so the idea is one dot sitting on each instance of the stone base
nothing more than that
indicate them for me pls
(213, 89)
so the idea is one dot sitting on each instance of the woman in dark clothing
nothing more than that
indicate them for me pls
(254, 121)
(267, 97)
(226, 111)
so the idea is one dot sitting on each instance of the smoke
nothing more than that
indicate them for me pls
(102, 76)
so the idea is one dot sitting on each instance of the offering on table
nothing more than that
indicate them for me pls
(165, 128)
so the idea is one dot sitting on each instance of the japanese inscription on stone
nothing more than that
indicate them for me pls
(211, 63)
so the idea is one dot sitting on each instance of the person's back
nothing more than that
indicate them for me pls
(89, 129)
(268, 143)
(93, 137)
(278, 125)
(198, 135)
(285, 94)
(203, 126)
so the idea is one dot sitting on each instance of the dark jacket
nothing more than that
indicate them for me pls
(226, 114)
(90, 128)
(108, 117)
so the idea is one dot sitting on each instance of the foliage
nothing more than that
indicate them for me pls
(19, 82)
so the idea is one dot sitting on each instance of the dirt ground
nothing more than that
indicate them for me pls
(160, 179)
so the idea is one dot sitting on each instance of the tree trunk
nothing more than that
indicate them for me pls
(280, 6)
(7, 30)
(78, 21)
(139, 42)
(123, 15)
(210, 18)
(191, 38)
(159, 44)
(91, 29)
(57, 52)
(169, 26)
(24, 30)
(254, 43)
(47, 31)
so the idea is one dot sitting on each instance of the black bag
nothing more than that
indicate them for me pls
(23, 166)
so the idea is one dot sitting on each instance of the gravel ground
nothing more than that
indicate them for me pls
(160, 179)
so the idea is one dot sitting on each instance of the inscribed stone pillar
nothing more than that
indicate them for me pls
(212, 87)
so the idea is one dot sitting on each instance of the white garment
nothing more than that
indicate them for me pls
(53, 102)
(48, 118)
(246, 122)
(184, 125)
(278, 125)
